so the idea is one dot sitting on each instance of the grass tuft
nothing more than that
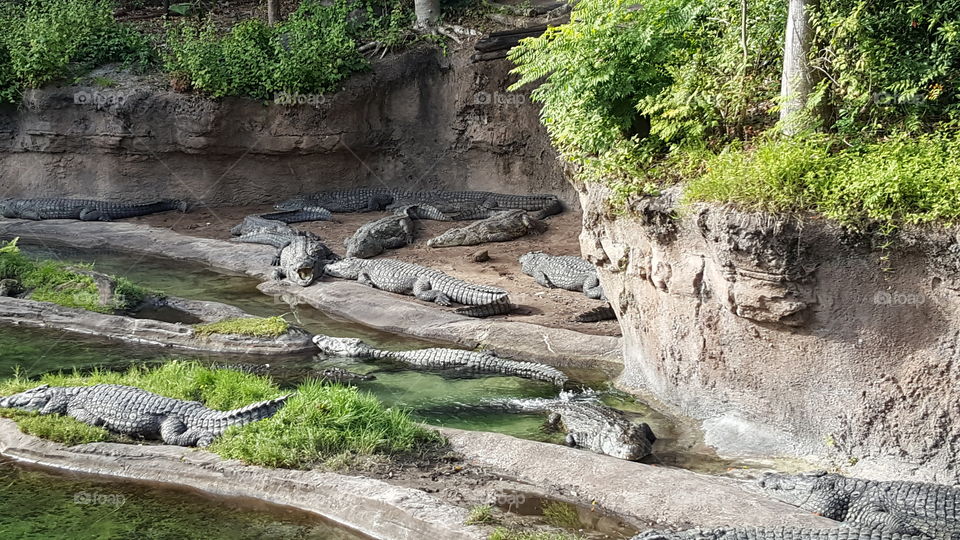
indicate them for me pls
(269, 327)
(61, 429)
(561, 514)
(481, 515)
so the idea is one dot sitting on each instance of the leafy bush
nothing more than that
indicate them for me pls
(310, 52)
(320, 421)
(49, 40)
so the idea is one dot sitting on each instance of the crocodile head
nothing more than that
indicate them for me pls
(8, 208)
(346, 268)
(30, 400)
(335, 346)
(362, 246)
(529, 261)
(290, 205)
(816, 492)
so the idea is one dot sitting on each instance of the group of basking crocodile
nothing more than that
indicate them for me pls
(303, 257)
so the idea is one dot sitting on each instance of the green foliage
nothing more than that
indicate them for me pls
(268, 327)
(481, 515)
(502, 533)
(310, 52)
(321, 421)
(889, 65)
(561, 514)
(49, 40)
(61, 429)
(10, 247)
(904, 179)
(53, 281)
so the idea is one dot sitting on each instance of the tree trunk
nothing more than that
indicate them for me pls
(798, 80)
(428, 12)
(273, 12)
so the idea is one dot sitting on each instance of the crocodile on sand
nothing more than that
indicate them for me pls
(501, 227)
(301, 256)
(135, 412)
(564, 272)
(374, 238)
(82, 209)
(590, 425)
(423, 283)
(464, 203)
(442, 359)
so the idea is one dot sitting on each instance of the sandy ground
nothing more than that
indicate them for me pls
(535, 304)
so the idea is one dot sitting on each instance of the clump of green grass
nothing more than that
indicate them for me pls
(901, 180)
(561, 514)
(502, 533)
(322, 421)
(319, 423)
(268, 327)
(481, 515)
(54, 282)
(61, 429)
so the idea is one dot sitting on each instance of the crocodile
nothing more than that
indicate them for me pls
(776, 533)
(564, 272)
(307, 213)
(301, 256)
(82, 209)
(343, 376)
(442, 358)
(464, 203)
(251, 224)
(423, 283)
(501, 227)
(589, 424)
(597, 314)
(374, 238)
(132, 411)
(911, 508)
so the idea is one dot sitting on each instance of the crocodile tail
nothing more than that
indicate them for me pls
(597, 314)
(486, 310)
(251, 413)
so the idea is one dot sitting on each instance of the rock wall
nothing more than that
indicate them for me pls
(789, 337)
(416, 120)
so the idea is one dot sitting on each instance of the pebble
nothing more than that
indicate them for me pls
(479, 256)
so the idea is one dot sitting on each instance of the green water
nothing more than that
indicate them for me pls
(42, 505)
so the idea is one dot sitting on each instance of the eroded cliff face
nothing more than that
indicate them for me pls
(789, 337)
(419, 120)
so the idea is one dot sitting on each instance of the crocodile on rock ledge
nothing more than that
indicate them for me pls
(132, 411)
(374, 238)
(423, 283)
(301, 256)
(442, 358)
(82, 209)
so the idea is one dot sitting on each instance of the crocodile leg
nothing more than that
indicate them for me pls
(592, 288)
(84, 416)
(543, 280)
(174, 431)
(422, 289)
(92, 214)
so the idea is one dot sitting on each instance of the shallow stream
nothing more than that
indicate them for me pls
(447, 398)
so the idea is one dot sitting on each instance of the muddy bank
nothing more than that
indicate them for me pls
(21, 312)
(789, 337)
(403, 315)
(366, 505)
(417, 120)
